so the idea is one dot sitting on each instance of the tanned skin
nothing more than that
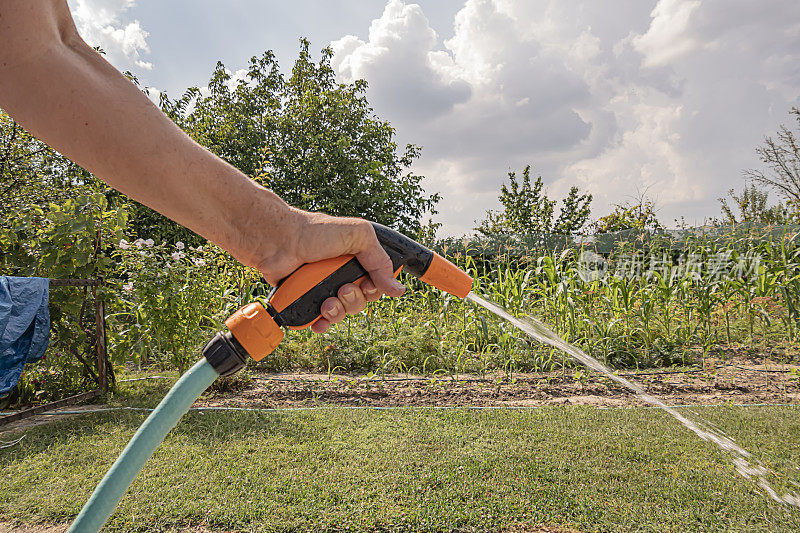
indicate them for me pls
(63, 92)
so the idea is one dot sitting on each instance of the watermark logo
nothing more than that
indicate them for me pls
(711, 267)
(592, 266)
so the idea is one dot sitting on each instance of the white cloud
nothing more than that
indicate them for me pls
(667, 39)
(643, 158)
(669, 96)
(412, 78)
(710, 81)
(470, 103)
(100, 24)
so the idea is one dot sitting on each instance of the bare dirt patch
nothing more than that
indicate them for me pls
(38, 420)
(737, 381)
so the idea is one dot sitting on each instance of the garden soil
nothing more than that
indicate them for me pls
(740, 380)
(737, 379)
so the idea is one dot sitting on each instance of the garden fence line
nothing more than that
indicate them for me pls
(740, 236)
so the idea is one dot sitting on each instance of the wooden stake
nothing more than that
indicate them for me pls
(100, 334)
(48, 407)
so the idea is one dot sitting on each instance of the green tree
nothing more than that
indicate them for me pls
(31, 173)
(313, 141)
(752, 206)
(640, 215)
(574, 214)
(527, 209)
(57, 222)
(781, 155)
(34, 179)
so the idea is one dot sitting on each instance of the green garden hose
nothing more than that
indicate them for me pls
(255, 331)
(108, 493)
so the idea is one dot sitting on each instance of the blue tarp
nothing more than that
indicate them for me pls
(24, 326)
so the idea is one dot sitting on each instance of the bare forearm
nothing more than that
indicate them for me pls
(100, 120)
(67, 95)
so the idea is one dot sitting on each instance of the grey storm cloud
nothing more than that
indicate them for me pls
(671, 97)
(666, 96)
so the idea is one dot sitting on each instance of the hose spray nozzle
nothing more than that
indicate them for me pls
(255, 329)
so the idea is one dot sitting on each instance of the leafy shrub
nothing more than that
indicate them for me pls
(173, 298)
(66, 240)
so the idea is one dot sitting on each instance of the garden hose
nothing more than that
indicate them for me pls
(109, 491)
(255, 331)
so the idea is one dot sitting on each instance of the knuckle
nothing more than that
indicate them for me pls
(365, 227)
(367, 234)
(360, 234)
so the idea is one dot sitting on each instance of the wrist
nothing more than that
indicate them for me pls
(264, 231)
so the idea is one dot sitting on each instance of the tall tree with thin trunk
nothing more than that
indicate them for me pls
(781, 155)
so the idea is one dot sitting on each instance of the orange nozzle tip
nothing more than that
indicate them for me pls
(256, 330)
(444, 275)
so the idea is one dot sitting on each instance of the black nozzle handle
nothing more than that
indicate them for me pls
(297, 305)
(404, 252)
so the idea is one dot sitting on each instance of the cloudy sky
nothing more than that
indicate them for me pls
(667, 97)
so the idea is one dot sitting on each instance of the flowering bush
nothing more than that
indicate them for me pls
(173, 297)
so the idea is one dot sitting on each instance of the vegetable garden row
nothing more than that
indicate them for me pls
(630, 305)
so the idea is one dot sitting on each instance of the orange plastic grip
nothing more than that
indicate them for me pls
(303, 279)
(255, 329)
(444, 275)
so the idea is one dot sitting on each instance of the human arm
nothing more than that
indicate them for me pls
(66, 94)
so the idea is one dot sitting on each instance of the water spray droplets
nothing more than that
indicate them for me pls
(740, 457)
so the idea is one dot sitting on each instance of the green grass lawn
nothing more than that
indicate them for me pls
(411, 470)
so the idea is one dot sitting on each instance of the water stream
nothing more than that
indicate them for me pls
(745, 465)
